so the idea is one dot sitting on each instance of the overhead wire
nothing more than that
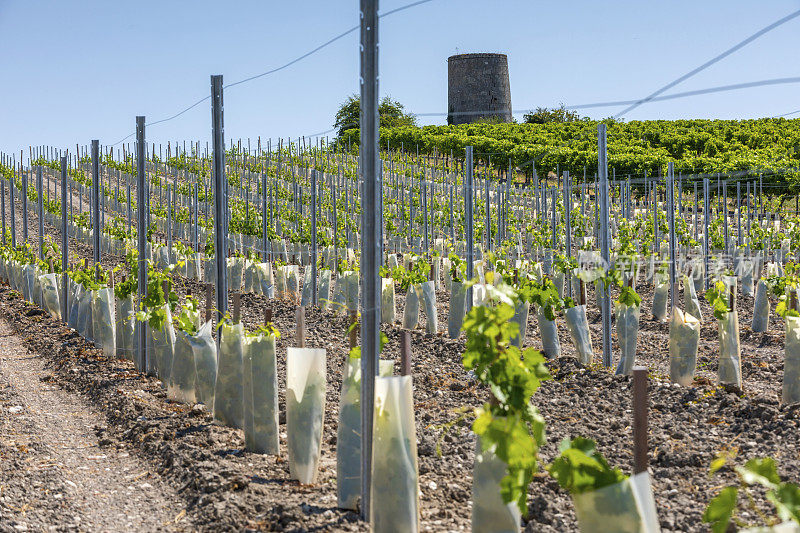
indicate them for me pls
(716, 59)
(282, 67)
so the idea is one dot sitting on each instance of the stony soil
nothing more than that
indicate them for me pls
(224, 487)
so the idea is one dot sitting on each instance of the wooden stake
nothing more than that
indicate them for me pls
(640, 454)
(267, 315)
(301, 327)
(209, 296)
(405, 352)
(237, 307)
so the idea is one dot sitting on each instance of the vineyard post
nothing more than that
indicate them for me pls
(195, 216)
(605, 239)
(141, 234)
(11, 186)
(95, 206)
(169, 223)
(379, 200)
(671, 220)
(628, 198)
(739, 213)
(64, 242)
(749, 216)
(546, 258)
(706, 221)
(314, 236)
(725, 210)
(370, 304)
(567, 216)
(468, 219)
(39, 201)
(656, 238)
(696, 212)
(680, 194)
(452, 226)
(264, 219)
(537, 202)
(220, 197)
(425, 243)
(488, 228)
(3, 206)
(554, 221)
(596, 230)
(24, 179)
(334, 190)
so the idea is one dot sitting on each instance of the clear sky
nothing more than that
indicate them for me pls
(73, 71)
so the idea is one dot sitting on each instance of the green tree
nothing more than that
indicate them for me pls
(544, 115)
(392, 114)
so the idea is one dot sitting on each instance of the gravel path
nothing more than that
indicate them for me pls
(59, 471)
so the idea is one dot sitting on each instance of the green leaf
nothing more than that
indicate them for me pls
(786, 500)
(760, 471)
(720, 461)
(720, 509)
(581, 468)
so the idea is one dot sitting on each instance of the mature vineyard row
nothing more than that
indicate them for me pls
(695, 146)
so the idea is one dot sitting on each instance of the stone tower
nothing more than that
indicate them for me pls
(478, 87)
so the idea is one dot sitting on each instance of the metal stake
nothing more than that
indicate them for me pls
(605, 239)
(370, 304)
(220, 198)
(141, 234)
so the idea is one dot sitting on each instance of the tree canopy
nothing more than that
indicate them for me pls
(392, 114)
(544, 115)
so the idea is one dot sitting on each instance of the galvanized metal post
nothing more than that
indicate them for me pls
(656, 239)
(314, 236)
(220, 198)
(452, 225)
(264, 218)
(11, 186)
(96, 201)
(671, 220)
(605, 239)
(725, 210)
(696, 213)
(425, 243)
(370, 295)
(468, 231)
(738, 213)
(3, 206)
(195, 214)
(169, 222)
(488, 230)
(40, 208)
(568, 227)
(706, 221)
(141, 234)
(24, 177)
(554, 211)
(64, 243)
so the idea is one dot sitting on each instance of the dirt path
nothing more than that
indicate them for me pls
(59, 472)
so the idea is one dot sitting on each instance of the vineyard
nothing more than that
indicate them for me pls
(581, 326)
(511, 353)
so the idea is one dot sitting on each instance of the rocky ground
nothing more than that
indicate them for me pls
(203, 478)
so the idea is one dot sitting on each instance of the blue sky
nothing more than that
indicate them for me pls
(74, 71)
